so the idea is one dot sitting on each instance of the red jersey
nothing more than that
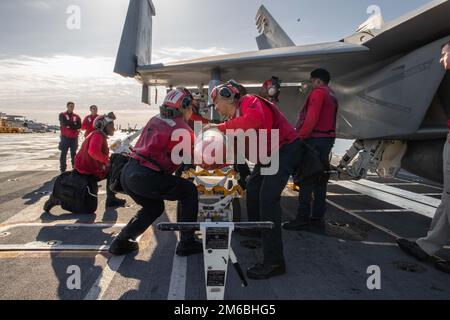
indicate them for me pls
(93, 157)
(258, 113)
(155, 143)
(88, 124)
(196, 118)
(70, 124)
(318, 117)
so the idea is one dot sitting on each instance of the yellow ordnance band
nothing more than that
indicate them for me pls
(219, 190)
(205, 173)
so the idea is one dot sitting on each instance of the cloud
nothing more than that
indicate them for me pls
(186, 53)
(39, 4)
(43, 85)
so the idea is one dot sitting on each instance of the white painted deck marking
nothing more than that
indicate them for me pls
(401, 193)
(379, 210)
(419, 183)
(177, 287)
(29, 213)
(6, 227)
(410, 205)
(391, 233)
(377, 226)
(42, 246)
(401, 184)
(47, 248)
(331, 194)
(103, 281)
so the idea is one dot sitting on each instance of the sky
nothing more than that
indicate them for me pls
(44, 64)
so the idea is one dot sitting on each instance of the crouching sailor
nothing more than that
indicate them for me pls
(148, 177)
(92, 164)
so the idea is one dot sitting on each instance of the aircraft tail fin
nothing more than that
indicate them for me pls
(271, 34)
(136, 43)
(374, 22)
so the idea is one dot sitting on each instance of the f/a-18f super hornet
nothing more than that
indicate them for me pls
(394, 95)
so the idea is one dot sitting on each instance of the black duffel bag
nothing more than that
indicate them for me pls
(76, 192)
(311, 169)
(117, 162)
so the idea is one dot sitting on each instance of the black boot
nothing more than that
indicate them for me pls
(443, 266)
(304, 224)
(115, 202)
(297, 224)
(50, 203)
(413, 249)
(249, 233)
(189, 247)
(266, 271)
(121, 246)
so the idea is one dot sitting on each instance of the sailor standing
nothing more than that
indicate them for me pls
(88, 122)
(316, 126)
(439, 233)
(70, 128)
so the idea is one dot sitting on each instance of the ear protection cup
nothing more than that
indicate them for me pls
(225, 92)
(229, 91)
(275, 88)
(273, 91)
(186, 102)
(101, 122)
(169, 113)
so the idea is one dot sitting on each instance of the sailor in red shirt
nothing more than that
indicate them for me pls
(316, 126)
(271, 90)
(250, 112)
(197, 100)
(88, 122)
(148, 177)
(196, 116)
(92, 160)
(70, 125)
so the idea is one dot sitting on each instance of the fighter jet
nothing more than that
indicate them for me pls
(394, 95)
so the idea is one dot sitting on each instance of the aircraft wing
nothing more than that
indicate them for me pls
(292, 64)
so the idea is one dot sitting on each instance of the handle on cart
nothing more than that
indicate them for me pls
(238, 269)
(195, 226)
(181, 226)
(254, 225)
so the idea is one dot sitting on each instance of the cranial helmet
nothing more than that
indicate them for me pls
(175, 101)
(273, 86)
(229, 90)
(101, 122)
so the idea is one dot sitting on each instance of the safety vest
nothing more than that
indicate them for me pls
(154, 146)
(326, 124)
(69, 132)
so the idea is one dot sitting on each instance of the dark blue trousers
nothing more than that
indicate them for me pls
(264, 196)
(312, 198)
(64, 145)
